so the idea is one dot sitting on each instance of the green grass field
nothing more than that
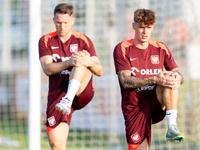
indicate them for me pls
(84, 138)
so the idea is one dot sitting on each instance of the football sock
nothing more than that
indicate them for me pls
(72, 89)
(171, 116)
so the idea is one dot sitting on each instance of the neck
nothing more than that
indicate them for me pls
(66, 37)
(140, 45)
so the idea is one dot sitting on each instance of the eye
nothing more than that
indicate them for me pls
(57, 22)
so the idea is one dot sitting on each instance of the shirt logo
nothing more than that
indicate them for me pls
(52, 121)
(135, 137)
(144, 88)
(132, 59)
(133, 69)
(54, 47)
(154, 59)
(73, 48)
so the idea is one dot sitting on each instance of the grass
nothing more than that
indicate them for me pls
(14, 131)
(77, 138)
(87, 139)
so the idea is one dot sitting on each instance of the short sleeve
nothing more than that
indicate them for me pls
(120, 59)
(89, 46)
(84, 42)
(43, 48)
(169, 62)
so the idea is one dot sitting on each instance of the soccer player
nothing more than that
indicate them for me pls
(70, 60)
(148, 92)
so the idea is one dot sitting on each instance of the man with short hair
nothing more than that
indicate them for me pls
(69, 59)
(148, 92)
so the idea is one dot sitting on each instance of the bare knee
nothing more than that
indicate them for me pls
(55, 146)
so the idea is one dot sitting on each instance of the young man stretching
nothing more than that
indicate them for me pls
(69, 59)
(148, 92)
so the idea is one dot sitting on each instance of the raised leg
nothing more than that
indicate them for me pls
(79, 78)
(168, 99)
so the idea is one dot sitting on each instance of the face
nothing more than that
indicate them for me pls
(142, 33)
(63, 24)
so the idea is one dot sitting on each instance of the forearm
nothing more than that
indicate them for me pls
(54, 68)
(96, 68)
(129, 81)
(49, 67)
(132, 82)
(94, 65)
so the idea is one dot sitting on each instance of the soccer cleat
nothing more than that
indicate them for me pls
(173, 134)
(64, 106)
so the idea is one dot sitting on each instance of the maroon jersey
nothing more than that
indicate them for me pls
(51, 44)
(138, 104)
(142, 63)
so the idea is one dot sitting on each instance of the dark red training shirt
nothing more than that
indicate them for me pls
(51, 44)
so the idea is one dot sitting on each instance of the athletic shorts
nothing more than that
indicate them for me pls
(138, 127)
(54, 117)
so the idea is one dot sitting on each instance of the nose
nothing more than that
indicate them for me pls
(62, 25)
(145, 30)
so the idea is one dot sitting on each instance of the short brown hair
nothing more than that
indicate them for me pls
(64, 8)
(144, 16)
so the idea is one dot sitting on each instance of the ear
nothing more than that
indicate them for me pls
(133, 25)
(73, 19)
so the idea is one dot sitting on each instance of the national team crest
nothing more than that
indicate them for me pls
(154, 59)
(52, 121)
(135, 137)
(73, 48)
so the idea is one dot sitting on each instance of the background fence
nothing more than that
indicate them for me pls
(107, 22)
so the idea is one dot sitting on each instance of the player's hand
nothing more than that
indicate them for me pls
(169, 79)
(176, 80)
(87, 61)
(163, 78)
(77, 59)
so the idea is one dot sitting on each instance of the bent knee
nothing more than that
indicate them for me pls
(57, 146)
